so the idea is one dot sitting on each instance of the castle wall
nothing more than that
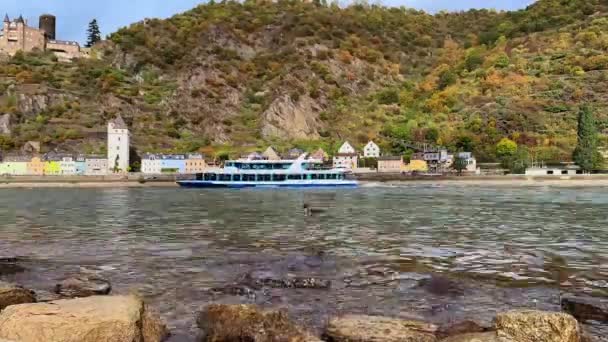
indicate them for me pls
(64, 50)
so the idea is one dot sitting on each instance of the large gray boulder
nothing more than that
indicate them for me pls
(359, 328)
(91, 319)
(11, 294)
(538, 326)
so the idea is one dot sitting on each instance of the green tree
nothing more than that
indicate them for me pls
(586, 154)
(460, 164)
(93, 33)
(506, 148)
(446, 78)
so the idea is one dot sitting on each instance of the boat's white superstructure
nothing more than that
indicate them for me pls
(243, 173)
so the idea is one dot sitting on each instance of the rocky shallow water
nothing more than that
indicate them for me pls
(441, 254)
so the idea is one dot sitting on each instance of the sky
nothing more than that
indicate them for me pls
(73, 16)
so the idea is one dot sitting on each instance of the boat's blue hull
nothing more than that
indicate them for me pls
(241, 185)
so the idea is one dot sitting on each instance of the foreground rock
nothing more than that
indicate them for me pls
(538, 326)
(11, 294)
(237, 323)
(83, 286)
(357, 328)
(586, 308)
(92, 319)
(464, 327)
(477, 337)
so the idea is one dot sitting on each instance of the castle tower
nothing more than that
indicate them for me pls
(118, 145)
(47, 23)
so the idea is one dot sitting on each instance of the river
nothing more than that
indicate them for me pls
(502, 247)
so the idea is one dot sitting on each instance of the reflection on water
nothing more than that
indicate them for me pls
(506, 248)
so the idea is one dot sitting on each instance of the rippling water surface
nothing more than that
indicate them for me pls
(503, 248)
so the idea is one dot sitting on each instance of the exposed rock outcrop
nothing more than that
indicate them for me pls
(538, 326)
(11, 294)
(464, 327)
(586, 308)
(287, 118)
(83, 286)
(356, 328)
(292, 282)
(92, 319)
(5, 124)
(236, 323)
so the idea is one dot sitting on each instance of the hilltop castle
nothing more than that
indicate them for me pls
(16, 35)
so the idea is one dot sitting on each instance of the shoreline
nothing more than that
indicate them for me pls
(366, 180)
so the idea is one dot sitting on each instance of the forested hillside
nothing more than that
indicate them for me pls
(231, 76)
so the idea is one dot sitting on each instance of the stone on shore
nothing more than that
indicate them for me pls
(359, 328)
(477, 337)
(586, 308)
(83, 286)
(91, 319)
(464, 327)
(9, 265)
(289, 282)
(11, 294)
(236, 323)
(538, 326)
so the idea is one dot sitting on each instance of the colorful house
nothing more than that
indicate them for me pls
(173, 163)
(96, 166)
(80, 165)
(35, 166)
(14, 165)
(390, 164)
(319, 154)
(371, 150)
(195, 164)
(67, 165)
(271, 154)
(417, 165)
(150, 164)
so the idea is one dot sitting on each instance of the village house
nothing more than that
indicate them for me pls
(346, 157)
(319, 154)
(271, 154)
(35, 166)
(195, 163)
(554, 171)
(469, 160)
(151, 164)
(173, 163)
(390, 164)
(15, 165)
(294, 153)
(52, 164)
(347, 148)
(371, 150)
(80, 165)
(96, 166)
(67, 165)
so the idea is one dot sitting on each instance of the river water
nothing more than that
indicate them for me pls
(502, 248)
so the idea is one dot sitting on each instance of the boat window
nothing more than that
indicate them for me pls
(229, 164)
(314, 176)
(322, 176)
(340, 176)
(294, 177)
(278, 178)
(236, 178)
(199, 176)
(225, 178)
(245, 166)
(264, 178)
(249, 178)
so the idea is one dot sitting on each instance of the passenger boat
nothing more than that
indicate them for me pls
(299, 173)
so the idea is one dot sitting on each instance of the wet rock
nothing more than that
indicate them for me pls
(46, 296)
(538, 326)
(441, 286)
(11, 294)
(237, 323)
(477, 337)
(464, 327)
(288, 282)
(83, 286)
(92, 319)
(586, 308)
(357, 328)
(234, 290)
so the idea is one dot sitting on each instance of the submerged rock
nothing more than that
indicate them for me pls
(538, 326)
(464, 327)
(586, 308)
(234, 290)
(477, 337)
(9, 265)
(441, 286)
(237, 323)
(92, 319)
(11, 294)
(46, 296)
(358, 328)
(288, 282)
(83, 286)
